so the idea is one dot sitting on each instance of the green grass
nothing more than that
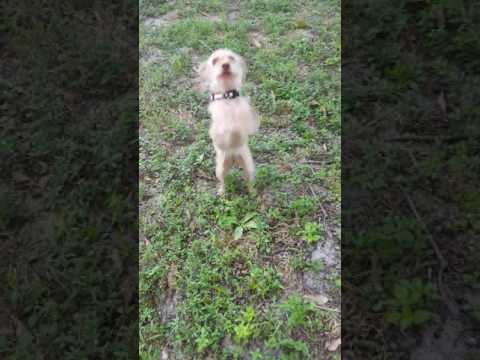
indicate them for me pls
(233, 266)
(412, 136)
(70, 114)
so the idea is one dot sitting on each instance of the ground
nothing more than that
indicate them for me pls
(249, 275)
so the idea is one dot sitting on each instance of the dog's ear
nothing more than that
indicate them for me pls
(202, 70)
(202, 74)
(243, 65)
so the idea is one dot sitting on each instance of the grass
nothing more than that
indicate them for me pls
(68, 146)
(410, 143)
(222, 277)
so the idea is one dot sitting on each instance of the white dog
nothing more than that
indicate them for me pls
(233, 119)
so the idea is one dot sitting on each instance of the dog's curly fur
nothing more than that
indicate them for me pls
(232, 120)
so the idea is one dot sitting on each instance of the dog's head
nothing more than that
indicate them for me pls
(224, 70)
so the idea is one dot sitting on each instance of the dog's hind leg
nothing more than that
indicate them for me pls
(246, 162)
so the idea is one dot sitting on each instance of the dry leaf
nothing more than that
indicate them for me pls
(171, 16)
(334, 344)
(317, 299)
(256, 40)
(256, 43)
(285, 167)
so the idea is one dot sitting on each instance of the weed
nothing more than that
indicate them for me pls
(409, 305)
(302, 206)
(297, 310)
(299, 263)
(311, 232)
(245, 328)
(263, 281)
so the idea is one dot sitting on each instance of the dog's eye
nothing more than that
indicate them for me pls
(231, 58)
(214, 61)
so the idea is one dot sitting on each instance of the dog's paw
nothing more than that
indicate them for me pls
(221, 191)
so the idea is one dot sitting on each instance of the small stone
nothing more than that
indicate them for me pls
(233, 15)
(164, 354)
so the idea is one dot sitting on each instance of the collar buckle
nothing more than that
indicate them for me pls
(230, 94)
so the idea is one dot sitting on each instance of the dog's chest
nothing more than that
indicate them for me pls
(230, 115)
(223, 115)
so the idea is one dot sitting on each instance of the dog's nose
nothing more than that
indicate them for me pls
(226, 66)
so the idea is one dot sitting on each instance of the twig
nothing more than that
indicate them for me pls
(319, 162)
(414, 160)
(418, 138)
(206, 45)
(443, 263)
(327, 309)
(201, 175)
(441, 258)
(325, 225)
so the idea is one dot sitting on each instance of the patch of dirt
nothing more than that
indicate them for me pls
(157, 22)
(151, 56)
(187, 117)
(302, 34)
(212, 18)
(196, 60)
(328, 252)
(233, 15)
(281, 121)
(455, 338)
(321, 191)
(290, 278)
(452, 342)
(303, 71)
(168, 310)
(234, 11)
(257, 39)
(151, 204)
(206, 184)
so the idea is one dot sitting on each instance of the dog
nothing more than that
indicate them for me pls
(233, 119)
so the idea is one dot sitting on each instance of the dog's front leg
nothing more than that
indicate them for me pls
(223, 164)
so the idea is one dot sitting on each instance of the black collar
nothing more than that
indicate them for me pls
(230, 94)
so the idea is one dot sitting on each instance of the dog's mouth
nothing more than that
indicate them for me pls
(225, 74)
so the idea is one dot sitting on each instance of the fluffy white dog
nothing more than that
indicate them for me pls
(233, 119)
